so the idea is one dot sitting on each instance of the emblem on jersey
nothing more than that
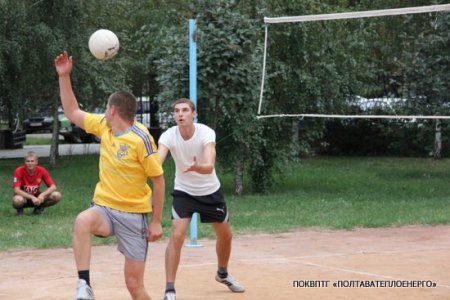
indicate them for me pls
(123, 151)
(31, 189)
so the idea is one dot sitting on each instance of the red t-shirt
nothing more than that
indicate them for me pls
(31, 183)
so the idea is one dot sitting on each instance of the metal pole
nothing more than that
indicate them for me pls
(193, 96)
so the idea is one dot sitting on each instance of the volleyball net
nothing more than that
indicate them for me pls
(364, 64)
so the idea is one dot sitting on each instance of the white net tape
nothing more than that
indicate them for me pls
(338, 16)
(360, 14)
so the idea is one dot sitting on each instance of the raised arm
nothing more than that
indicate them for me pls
(63, 65)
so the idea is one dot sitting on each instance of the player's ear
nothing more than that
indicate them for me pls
(112, 109)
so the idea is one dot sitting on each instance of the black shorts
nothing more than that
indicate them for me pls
(211, 208)
(29, 203)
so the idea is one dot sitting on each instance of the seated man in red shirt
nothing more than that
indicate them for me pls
(27, 182)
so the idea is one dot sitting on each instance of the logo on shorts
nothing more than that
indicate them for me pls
(123, 151)
(221, 209)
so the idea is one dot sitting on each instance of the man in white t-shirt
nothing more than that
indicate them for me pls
(197, 190)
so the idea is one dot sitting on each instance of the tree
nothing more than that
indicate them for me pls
(36, 31)
(13, 28)
(427, 70)
(229, 59)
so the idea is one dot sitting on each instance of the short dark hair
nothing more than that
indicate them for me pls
(125, 103)
(184, 100)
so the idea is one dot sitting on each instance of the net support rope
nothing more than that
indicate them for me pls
(353, 116)
(340, 16)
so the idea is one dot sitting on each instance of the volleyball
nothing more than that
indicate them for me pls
(104, 44)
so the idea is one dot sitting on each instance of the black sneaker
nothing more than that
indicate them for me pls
(39, 210)
(20, 211)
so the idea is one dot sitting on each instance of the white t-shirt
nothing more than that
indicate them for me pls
(182, 152)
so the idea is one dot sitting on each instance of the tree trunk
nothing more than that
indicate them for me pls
(437, 140)
(54, 146)
(238, 179)
(295, 146)
(216, 113)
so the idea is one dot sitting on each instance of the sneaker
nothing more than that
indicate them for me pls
(84, 291)
(169, 296)
(39, 210)
(232, 284)
(20, 211)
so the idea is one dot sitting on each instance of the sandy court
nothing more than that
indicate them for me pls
(267, 264)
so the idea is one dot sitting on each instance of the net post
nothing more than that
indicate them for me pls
(193, 96)
(263, 76)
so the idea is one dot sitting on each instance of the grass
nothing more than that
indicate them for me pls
(37, 141)
(31, 140)
(325, 192)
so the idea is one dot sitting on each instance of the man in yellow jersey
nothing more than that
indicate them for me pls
(122, 198)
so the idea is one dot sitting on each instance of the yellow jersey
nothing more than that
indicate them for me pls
(126, 161)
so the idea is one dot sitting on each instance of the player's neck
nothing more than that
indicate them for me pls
(187, 131)
(120, 127)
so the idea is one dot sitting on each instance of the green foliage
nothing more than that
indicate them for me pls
(382, 137)
(314, 67)
(427, 69)
(35, 32)
(229, 53)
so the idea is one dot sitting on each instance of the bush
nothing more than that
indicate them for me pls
(383, 137)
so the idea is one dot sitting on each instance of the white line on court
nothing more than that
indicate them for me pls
(281, 259)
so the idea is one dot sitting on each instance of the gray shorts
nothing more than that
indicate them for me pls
(130, 230)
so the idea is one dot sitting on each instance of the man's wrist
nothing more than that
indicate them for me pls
(156, 220)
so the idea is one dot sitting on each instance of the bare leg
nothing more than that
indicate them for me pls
(173, 250)
(223, 243)
(18, 201)
(87, 223)
(134, 279)
(52, 199)
(223, 250)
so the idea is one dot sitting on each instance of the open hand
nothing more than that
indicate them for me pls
(193, 166)
(63, 64)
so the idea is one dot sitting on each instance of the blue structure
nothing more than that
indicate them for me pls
(193, 96)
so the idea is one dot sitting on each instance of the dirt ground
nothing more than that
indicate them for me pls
(269, 265)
